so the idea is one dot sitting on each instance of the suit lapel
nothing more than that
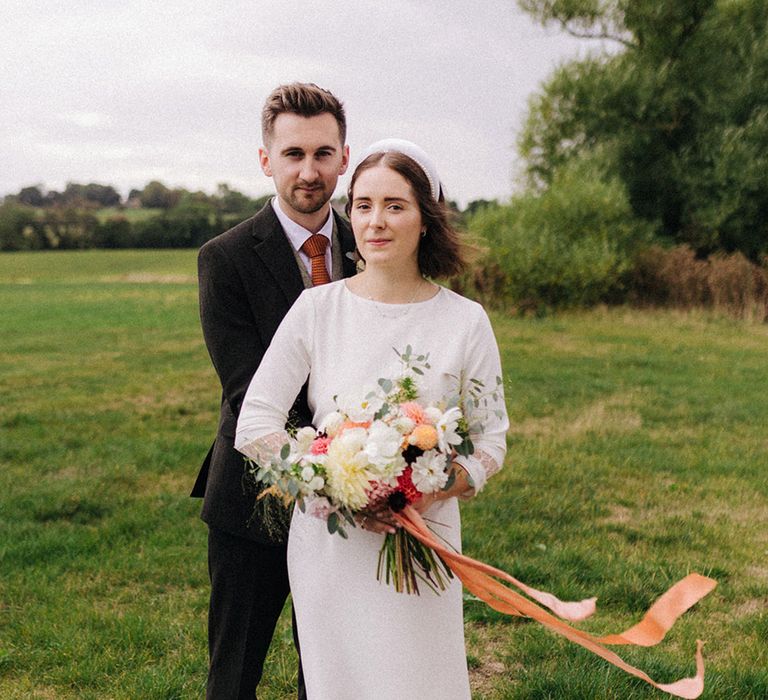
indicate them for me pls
(275, 251)
(347, 240)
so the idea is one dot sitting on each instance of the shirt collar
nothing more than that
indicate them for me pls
(296, 233)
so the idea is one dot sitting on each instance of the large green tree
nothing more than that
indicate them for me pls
(676, 106)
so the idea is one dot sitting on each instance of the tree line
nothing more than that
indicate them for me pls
(157, 216)
(95, 216)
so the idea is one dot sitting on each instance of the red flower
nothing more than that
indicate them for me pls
(405, 485)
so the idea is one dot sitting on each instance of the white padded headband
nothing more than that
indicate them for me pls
(414, 152)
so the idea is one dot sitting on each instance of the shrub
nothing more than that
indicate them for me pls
(115, 232)
(14, 220)
(571, 245)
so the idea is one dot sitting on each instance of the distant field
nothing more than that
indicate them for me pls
(638, 453)
(132, 215)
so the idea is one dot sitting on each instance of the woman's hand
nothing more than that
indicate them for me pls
(427, 500)
(460, 488)
(381, 522)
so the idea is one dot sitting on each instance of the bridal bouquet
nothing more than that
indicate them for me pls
(382, 451)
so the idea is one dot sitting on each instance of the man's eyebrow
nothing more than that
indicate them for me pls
(288, 149)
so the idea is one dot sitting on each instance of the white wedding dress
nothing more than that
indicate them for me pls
(360, 640)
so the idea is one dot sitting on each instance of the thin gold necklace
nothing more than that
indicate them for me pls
(402, 312)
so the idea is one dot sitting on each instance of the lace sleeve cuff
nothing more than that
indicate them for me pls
(262, 450)
(480, 466)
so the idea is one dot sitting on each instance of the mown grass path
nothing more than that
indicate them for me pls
(638, 452)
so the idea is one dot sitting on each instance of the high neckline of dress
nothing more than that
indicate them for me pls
(408, 304)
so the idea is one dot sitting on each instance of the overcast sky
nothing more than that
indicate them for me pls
(124, 92)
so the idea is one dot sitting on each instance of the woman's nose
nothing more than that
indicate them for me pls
(377, 218)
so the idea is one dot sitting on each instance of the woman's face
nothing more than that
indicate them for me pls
(386, 218)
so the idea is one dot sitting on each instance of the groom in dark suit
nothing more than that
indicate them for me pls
(249, 277)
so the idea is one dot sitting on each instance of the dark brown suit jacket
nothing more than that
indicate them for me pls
(248, 278)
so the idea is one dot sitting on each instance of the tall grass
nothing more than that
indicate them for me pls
(729, 284)
(637, 453)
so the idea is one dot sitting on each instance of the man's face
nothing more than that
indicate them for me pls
(304, 157)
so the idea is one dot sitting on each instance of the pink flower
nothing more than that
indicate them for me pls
(319, 507)
(378, 493)
(414, 411)
(319, 445)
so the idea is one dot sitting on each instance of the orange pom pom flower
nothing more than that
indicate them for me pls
(424, 437)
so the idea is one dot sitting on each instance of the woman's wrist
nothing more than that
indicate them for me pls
(462, 484)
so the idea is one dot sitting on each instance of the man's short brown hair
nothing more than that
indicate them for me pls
(304, 99)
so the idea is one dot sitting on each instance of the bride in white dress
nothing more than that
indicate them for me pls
(361, 640)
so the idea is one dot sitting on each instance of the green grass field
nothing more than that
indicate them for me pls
(638, 452)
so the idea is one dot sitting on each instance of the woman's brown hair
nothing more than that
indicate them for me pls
(442, 253)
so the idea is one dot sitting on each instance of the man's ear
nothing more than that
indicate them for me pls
(266, 167)
(344, 160)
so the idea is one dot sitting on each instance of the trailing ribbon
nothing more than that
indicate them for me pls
(480, 579)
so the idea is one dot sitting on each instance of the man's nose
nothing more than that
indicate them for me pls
(308, 170)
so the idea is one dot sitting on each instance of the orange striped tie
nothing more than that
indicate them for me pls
(315, 247)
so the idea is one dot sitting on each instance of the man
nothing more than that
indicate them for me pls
(249, 277)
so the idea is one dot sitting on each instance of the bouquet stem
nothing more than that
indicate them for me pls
(405, 561)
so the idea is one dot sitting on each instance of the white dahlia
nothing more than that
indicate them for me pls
(346, 469)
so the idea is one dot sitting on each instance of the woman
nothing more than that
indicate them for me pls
(359, 638)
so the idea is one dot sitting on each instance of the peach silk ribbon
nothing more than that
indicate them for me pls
(480, 579)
